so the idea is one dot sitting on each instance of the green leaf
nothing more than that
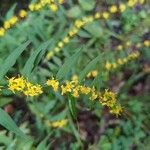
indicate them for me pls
(11, 59)
(4, 101)
(9, 124)
(91, 65)
(74, 12)
(42, 145)
(30, 64)
(72, 106)
(94, 29)
(87, 4)
(69, 63)
(11, 11)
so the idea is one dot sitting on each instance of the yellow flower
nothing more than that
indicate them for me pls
(79, 23)
(49, 55)
(117, 110)
(106, 15)
(37, 6)
(94, 73)
(113, 9)
(97, 15)
(7, 25)
(108, 98)
(60, 44)
(131, 3)
(66, 39)
(22, 13)
(54, 83)
(125, 60)
(31, 7)
(56, 49)
(141, 1)
(53, 7)
(61, 1)
(57, 124)
(2, 31)
(128, 43)
(32, 90)
(85, 90)
(119, 61)
(13, 20)
(122, 7)
(75, 79)
(108, 65)
(94, 94)
(67, 87)
(75, 92)
(16, 84)
(147, 43)
(119, 47)
(89, 75)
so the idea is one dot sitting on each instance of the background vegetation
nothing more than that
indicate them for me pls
(97, 44)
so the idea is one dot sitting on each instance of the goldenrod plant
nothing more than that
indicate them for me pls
(74, 75)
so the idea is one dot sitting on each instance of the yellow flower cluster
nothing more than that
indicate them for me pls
(42, 3)
(20, 84)
(57, 124)
(23, 13)
(32, 90)
(110, 66)
(78, 24)
(147, 43)
(108, 99)
(73, 87)
(11, 22)
(132, 3)
(92, 74)
(54, 83)
(127, 44)
(16, 84)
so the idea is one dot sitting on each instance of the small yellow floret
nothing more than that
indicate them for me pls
(97, 15)
(7, 25)
(94, 73)
(16, 84)
(13, 20)
(60, 44)
(61, 1)
(66, 39)
(53, 7)
(49, 55)
(57, 124)
(85, 90)
(122, 7)
(32, 90)
(106, 15)
(22, 13)
(119, 47)
(113, 9)
(108, 65)
(147, 43)
(31, 7)
(141, 1)
(131, 3)
(2, 31)
(53, 83)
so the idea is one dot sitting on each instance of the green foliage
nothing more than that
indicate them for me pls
(89, 126)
